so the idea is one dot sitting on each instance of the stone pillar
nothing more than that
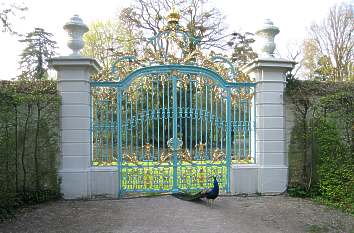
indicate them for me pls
(269, 73)
(73, 73)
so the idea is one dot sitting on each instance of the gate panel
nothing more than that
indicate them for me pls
(243, 124)
(172, 128)
(173, 134)
(147, 125)
(104, 122)
(201, 126)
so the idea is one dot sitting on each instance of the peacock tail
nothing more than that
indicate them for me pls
(209, 194)
(186, 196)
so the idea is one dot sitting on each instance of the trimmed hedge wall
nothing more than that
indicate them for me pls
(321, 150)
(29, 134)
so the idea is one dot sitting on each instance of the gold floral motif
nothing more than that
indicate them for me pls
(186, 156)
(173, 16)
(165, 156)
(201, 177)
(201, 147)
(147, 151)
(170, 46)
(123, 68)
(242, 77)
(147, 179)
(130, 158)
(218, 155)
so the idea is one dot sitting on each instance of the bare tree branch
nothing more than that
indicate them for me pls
(334, 38)
(149, 16)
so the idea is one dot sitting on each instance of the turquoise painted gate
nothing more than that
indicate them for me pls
(172, 124)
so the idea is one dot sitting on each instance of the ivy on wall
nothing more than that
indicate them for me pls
(29, 133)
(321, 160)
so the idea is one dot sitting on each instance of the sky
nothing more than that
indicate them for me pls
(293, 17)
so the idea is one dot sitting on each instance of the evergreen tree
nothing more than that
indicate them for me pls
(40, 47)
(243, 52)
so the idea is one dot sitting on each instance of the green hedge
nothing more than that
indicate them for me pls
(29, 133)
(321, 162)
(335, 166)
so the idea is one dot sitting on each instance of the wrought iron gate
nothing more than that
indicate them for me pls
(171, 127)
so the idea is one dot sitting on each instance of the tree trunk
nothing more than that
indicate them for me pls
(16, 149)
(24, 148)
(7, 165)
(35, 155)
(306, 169)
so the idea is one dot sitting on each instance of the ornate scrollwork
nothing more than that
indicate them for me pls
(201, 149)
(131, 158)
(165, 157)
(172, 147)
(217, 155)
(148, 149)
(172, 45)
(186, 156)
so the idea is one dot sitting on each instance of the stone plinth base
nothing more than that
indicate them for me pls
(252, 178)
(94, 182)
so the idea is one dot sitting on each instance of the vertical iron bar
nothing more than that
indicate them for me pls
(221, 123)
(112, 130)
(142, 125)
(119, 141)
(168, 109)
(163, 116)
(180, 109)
(153, 112)
(228, 140)
(216, 122)
(91, 125)
(180, 88)
(96, 127)
(235, 132)
(147, 113)
(196, 117)
(126, 121)
(206, 119)
(131, 125)
(101, 129)
(211, 121)
(175, 141)
(248, 125)
(185, 115)
(254, 125)
(201, 110)
(158, 119)
(244, 129)
(136, 126)
(190, 117)
(239, 124)
(106, 127)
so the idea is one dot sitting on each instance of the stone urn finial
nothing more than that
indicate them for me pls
(265, 39)
(76, 29)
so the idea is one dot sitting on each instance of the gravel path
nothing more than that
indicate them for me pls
(168, 214)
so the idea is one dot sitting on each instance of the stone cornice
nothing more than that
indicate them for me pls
(269, 62)
(74, 61)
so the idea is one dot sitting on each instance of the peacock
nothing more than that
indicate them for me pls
(210, 194)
